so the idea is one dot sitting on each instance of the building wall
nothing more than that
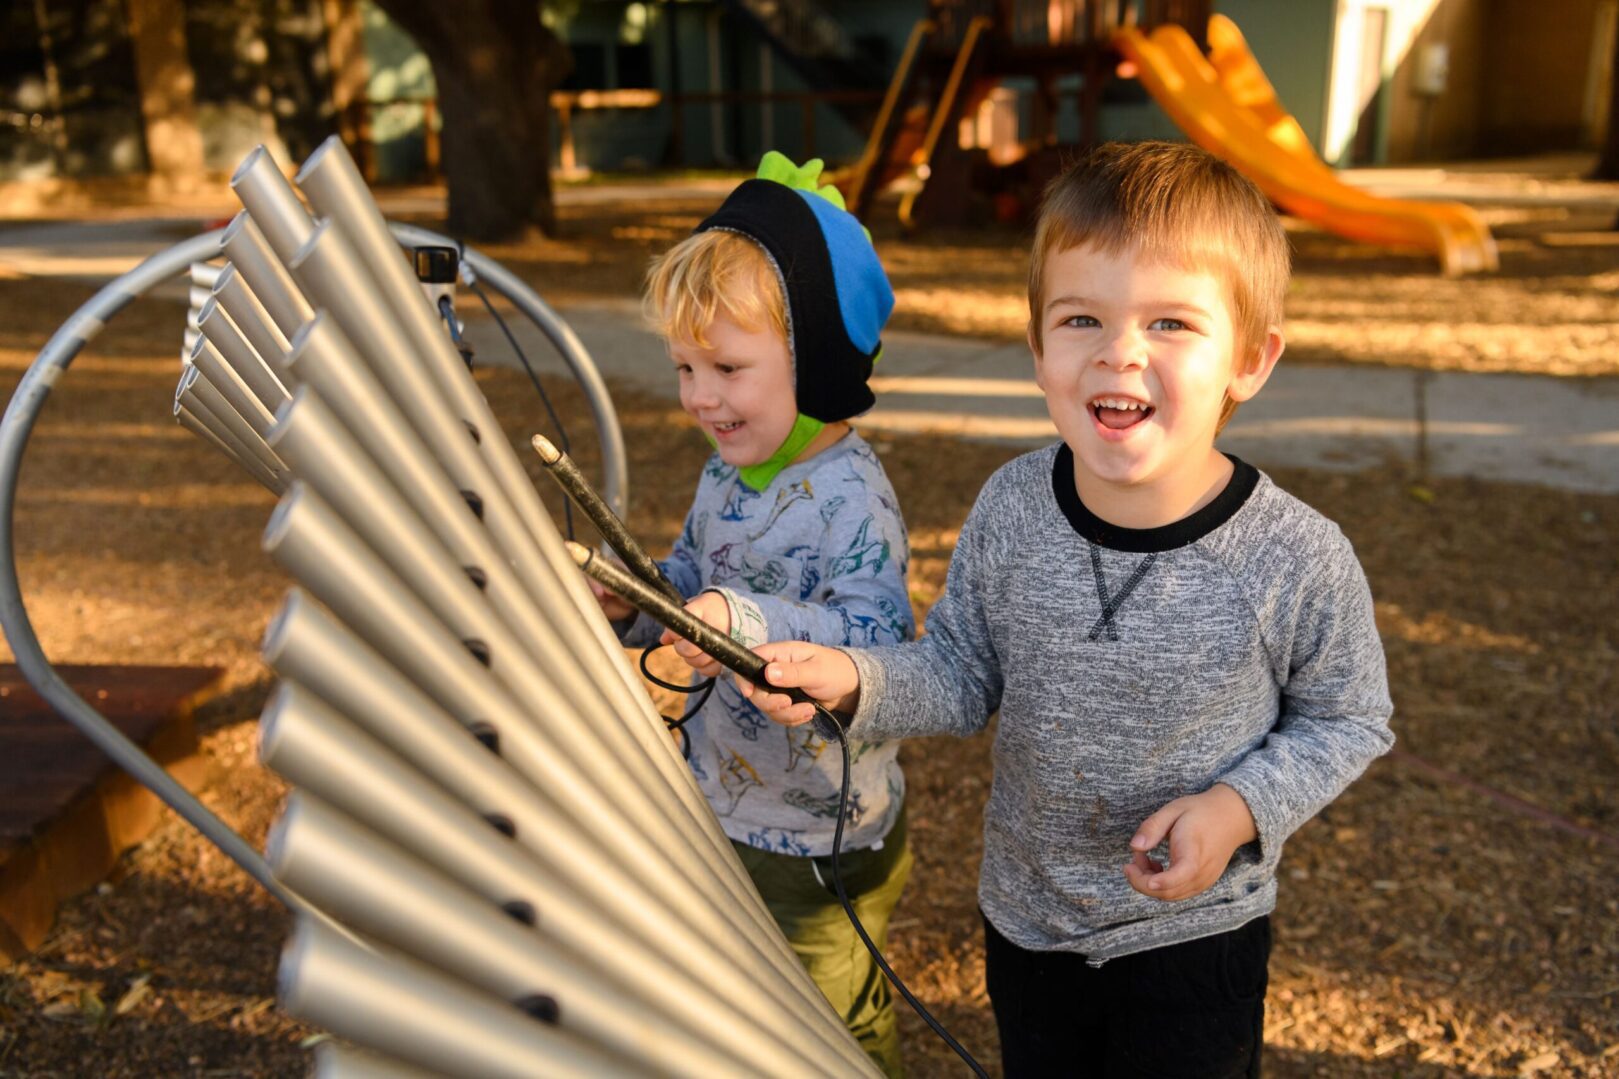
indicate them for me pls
(1522, 77)
(1293, 42)
(1426, 126)
(1541, 58)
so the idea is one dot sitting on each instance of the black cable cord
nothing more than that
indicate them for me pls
(703, 688)
(854, 920)
(446, 310)
(522, 357)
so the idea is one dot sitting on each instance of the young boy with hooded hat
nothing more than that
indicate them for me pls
(771, 311)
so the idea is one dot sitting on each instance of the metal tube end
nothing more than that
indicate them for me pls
(300, 336)
(275, 634)
(580, 553)
(276, 529)
(300, 256)
(294, 954)
(237, 224)
(249, 163)
(270, 721)
(277, 841)
(547, 450)
(314, 159)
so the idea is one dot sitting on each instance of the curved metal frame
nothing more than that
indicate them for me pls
(29, 400)
(615, 486)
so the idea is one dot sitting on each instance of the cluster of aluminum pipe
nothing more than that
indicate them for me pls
(485, 799)
(202, 276)
(233, 358)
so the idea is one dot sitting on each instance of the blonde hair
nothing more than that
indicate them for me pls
(710, 274)
(1174, 203)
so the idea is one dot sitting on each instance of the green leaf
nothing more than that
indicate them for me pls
(92, 1007)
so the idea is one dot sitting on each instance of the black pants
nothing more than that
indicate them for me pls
(1195, 1009)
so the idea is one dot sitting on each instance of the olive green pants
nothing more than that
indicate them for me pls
(800, 895)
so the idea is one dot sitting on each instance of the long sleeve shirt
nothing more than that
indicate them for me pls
(1131, 667)
(819, 555)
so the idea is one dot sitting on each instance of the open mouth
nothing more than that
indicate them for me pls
(727, 428)
(1120, 413)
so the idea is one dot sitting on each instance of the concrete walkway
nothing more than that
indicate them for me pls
(1562, 432)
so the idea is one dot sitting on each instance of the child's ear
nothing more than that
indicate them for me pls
(1252, 377)
(1034, 347)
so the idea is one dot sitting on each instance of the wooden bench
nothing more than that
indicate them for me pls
(66, 812)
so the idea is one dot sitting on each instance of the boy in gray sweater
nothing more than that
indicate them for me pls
(1183, 656)
(772, 311)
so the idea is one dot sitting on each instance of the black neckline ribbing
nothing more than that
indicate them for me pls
(1187, 530)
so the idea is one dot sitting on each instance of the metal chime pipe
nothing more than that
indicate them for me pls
(384, 893)
(323, 357)
(334, 185)
(187, 419)
(582, 904)
(615, 474)
(232, 387)
(199, 421)
(205, 274)
(334, 1061)
(309, 437)
(187, 401)
(272, 202)
(308, 538)
(573, 884)
(244, 244)
(199, 395)
(232, 346)
(335, 279)
(405, 1009)
(236, 297)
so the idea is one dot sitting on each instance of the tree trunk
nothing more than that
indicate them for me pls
(495, 65)
(168, 100)
(1608, 163)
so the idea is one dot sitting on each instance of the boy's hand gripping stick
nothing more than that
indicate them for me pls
(575, 486)
(743, 661)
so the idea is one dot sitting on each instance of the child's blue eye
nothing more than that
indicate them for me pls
(1080, 321)
(1168, 324)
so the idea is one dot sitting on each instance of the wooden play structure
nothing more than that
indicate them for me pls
(956, 57)
(1194, 64)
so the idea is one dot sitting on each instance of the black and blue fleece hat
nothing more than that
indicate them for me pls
(837, 295)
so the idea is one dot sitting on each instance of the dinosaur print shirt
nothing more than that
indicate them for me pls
(819, 555)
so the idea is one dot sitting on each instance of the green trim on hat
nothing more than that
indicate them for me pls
(759, 476)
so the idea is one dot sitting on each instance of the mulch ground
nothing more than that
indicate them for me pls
(1453, 913)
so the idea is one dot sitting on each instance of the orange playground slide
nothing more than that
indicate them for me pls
(1225, 103)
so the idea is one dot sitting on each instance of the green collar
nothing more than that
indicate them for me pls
(759, 476)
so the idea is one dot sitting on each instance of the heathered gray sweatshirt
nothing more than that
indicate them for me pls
(1130, 667)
